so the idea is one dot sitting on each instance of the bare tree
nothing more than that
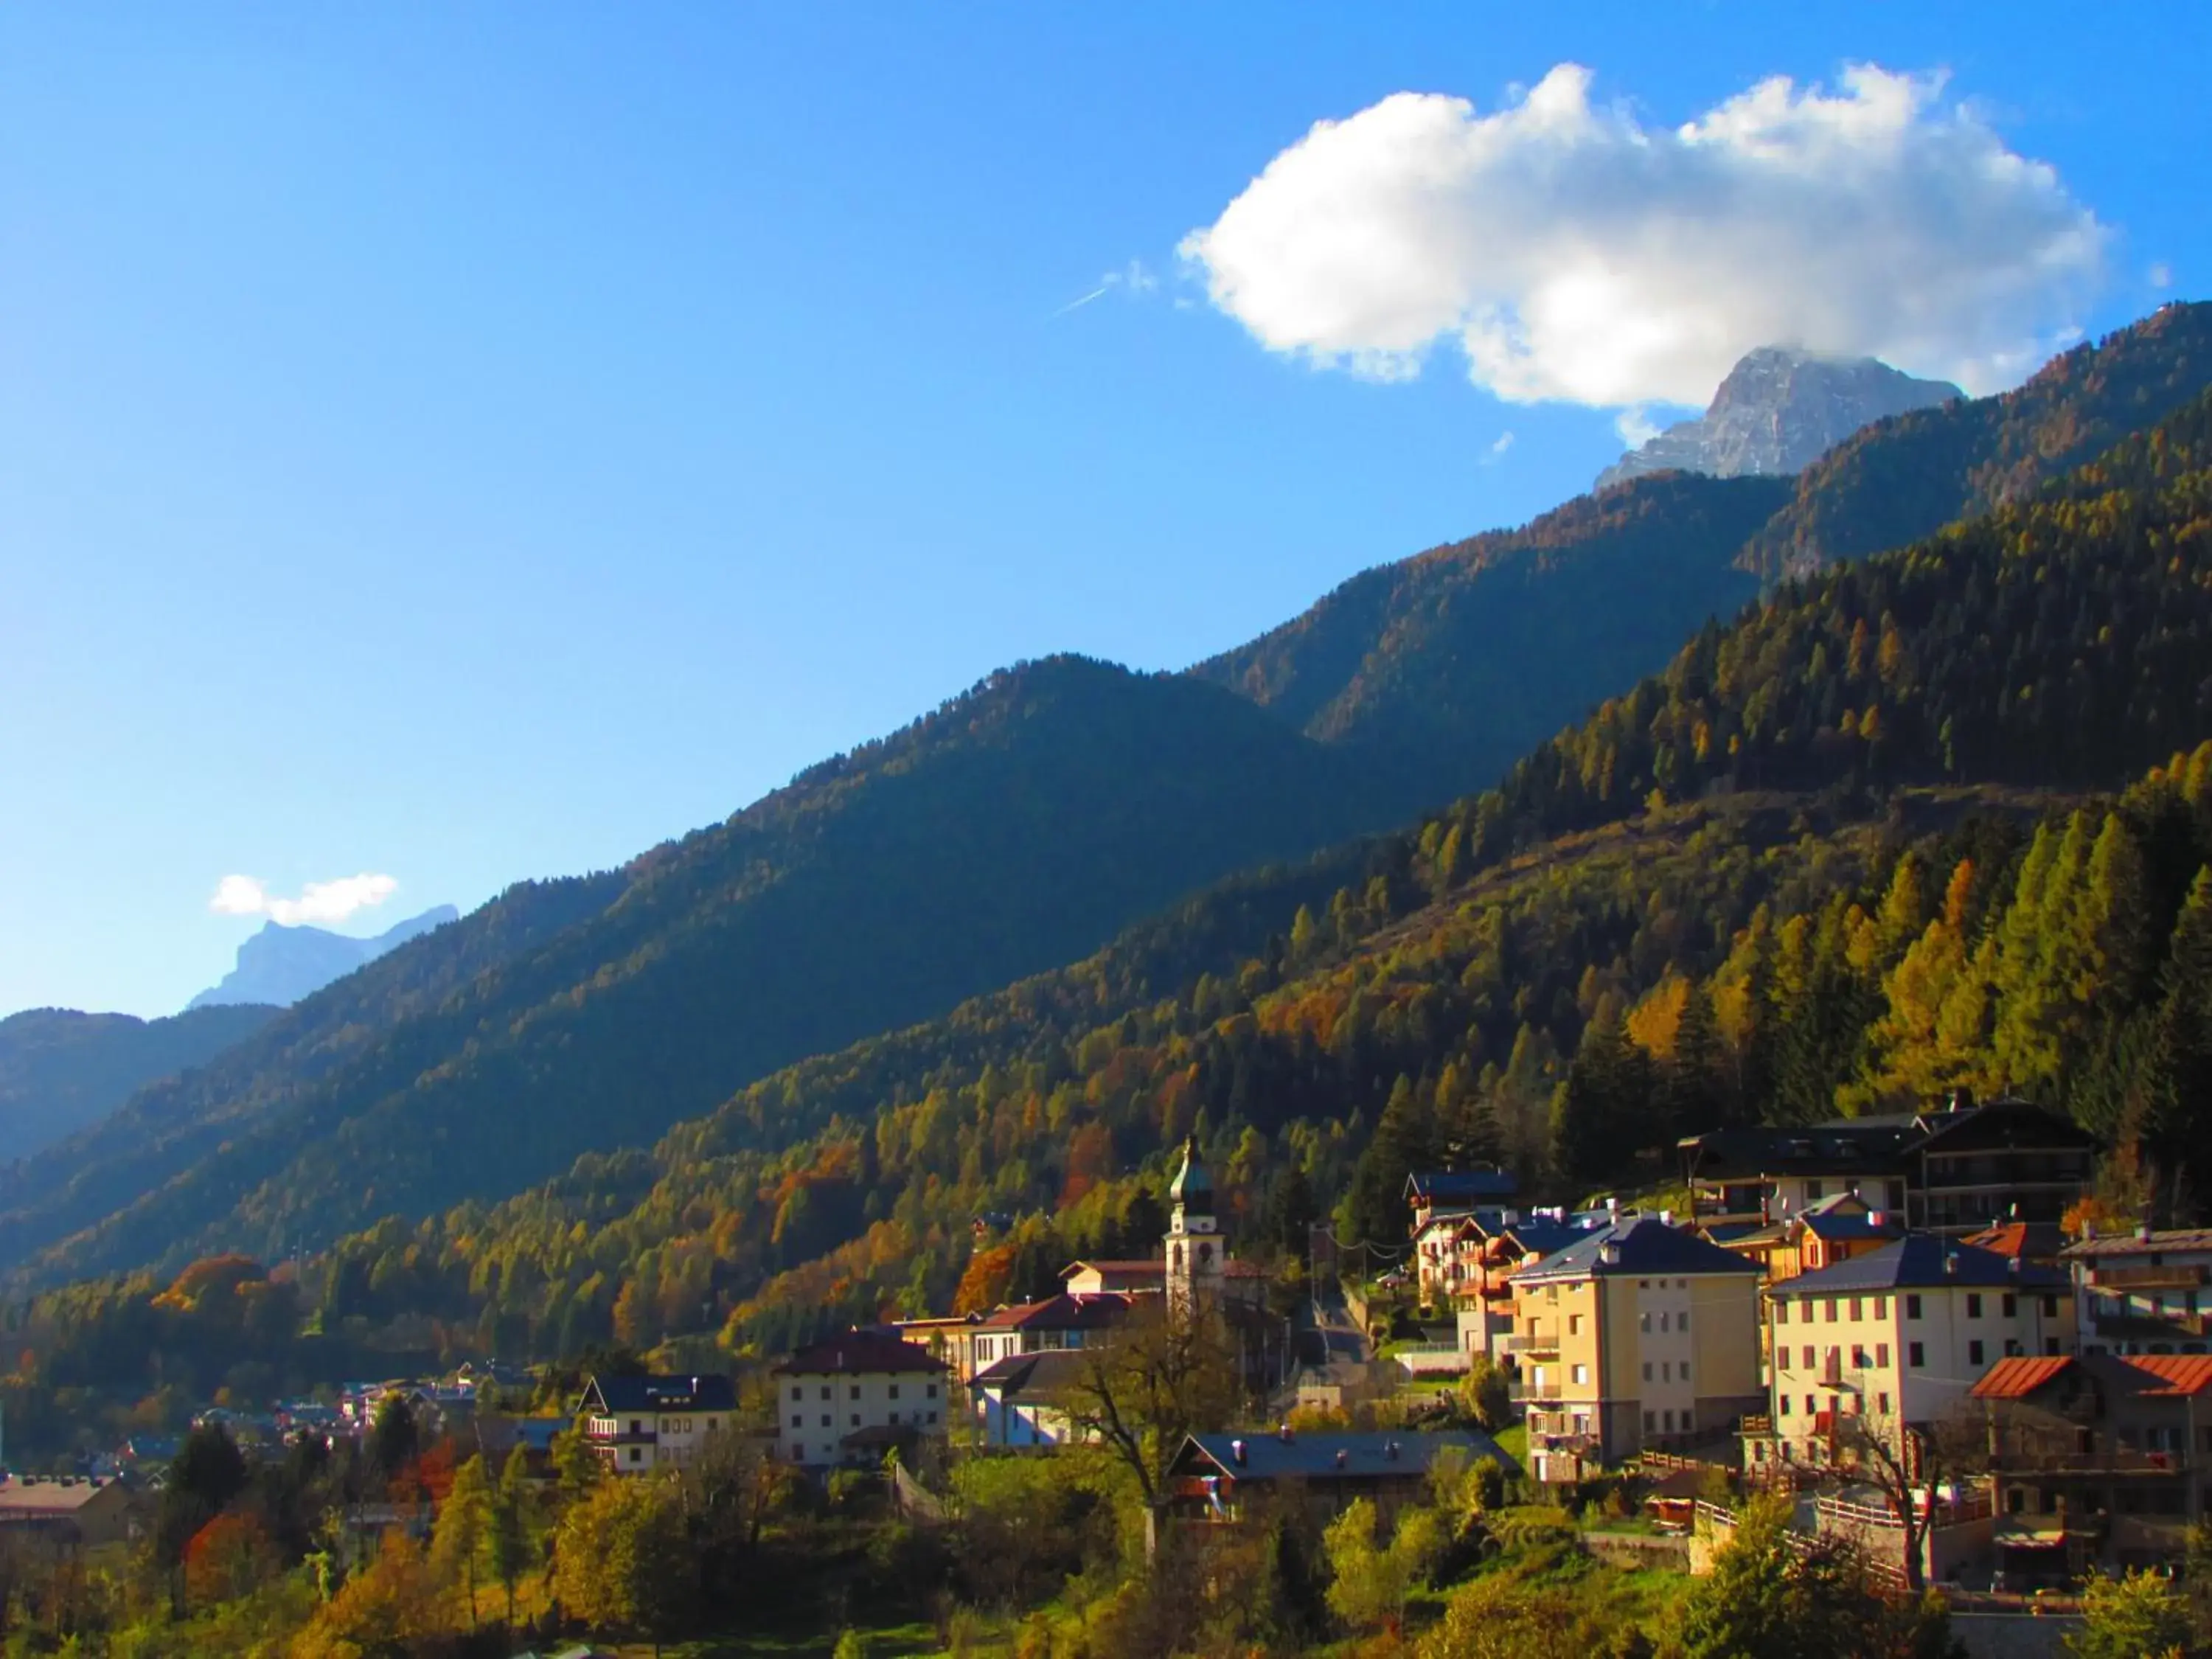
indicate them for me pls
(1904, 1461)
(1152, 1385)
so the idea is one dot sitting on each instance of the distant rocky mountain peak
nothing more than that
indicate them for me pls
(279, 964)
(1779, 410)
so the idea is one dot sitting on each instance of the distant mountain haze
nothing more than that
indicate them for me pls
(1016, 828)
(279, 964)
(1779, 410)
(61, 1070)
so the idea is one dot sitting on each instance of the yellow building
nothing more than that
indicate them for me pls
(1638, 1335)
(1900, 1335)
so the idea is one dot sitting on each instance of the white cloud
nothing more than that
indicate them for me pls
(1574, 254)
(1636, 426)
(2161, 275)
(319, 902)
(1498, 445)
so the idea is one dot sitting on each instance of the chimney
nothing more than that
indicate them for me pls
(1951, 1263)
(2143, 1233)
(1390, 1450)
(1342, 1458)
(1873, 1220)
(1284, 1433)
(1609, 1253)
(1611, 1205)
(1666, 1218)
(1236, 1451)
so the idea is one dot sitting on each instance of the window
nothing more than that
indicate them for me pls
(930, 1392)
(2010, 1306)
(1912, 1312)
(1973, 1304)
(1686, 1370)
(1574, 1324)
(892, 1419)
(798, 1392)
(894, 1391)
(1781, 1311)
(798, 1422)
(1647, 1371)
(1881, 1404)
(1913, 1355)
(2050, 1307)
(1881, 1307)
(1832, 1310)
(825, 1420)
(1858, 1357)
(1881, 1356)
(1856, 1312)
(1667, 1418)
(1809, 1361)
(1784, 1402)
(635, 1426)
(856, 1391)
(1974, 1352)
(1812, 1192)
(1812, 1405)
(636, 1454)
(1650, 1420)
(1805, 1308)
(1682, 1322)
(1581, 1373)
(856, 1419)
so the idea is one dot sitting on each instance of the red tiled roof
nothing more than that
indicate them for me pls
(1231, 1269)
(2181, 1373)
(1063, 1312)
(2018, 1377)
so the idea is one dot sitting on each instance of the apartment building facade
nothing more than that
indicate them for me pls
(1900, 1335)
(1639, 1335)
(849, 1399)
(2143, 1292)
(637, 1425)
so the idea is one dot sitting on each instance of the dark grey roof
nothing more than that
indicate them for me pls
(1459, 1185)
(1269, 1456)
(1923, 1261)
(705, 1392)
(1046, 1371)
(859, 1352)
(1641, 1246)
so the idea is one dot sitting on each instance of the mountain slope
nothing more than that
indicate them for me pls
(279, 965)
(1902, 477)
(61, 1070)
(1779, 411)
(1482, 648)
(1019, 826)
(1466, 655)
(1436, 998)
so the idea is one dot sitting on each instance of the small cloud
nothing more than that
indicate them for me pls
(319, 902)
(1498, 445)
(2161, 275)
(1636, 426)
(1078, 304)
(1137, 278)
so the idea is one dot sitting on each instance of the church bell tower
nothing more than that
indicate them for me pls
(1194, 1258)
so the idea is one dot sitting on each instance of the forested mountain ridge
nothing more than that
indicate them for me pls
(1839, 850)
(1019, 826)
(1901, 477)
(1477, 650)
(61, 1070)
(1468, 655)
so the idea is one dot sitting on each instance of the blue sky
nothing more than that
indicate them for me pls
(470, 443)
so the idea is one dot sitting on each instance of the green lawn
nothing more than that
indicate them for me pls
(1514, 1443)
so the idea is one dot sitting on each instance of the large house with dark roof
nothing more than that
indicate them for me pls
(1900, 1335)
(1215, 1475)
(1954, 1169)
(1429, 1193)
(851, 1398)
(1831, 1231)
(637, 1425)
(1638, 1335)
(2095, 1461)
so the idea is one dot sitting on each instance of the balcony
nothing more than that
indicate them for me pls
(2169, 1277)
(1537, 1338)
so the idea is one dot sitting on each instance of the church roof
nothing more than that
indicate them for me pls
(1192, 1187)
